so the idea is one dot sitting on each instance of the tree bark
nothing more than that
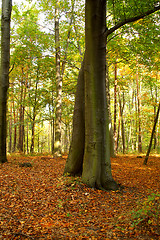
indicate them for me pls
(4, 79)
(57, 143)
(96, 163)
(91, 147)
(75, 158)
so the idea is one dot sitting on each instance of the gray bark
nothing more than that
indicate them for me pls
(4, 79)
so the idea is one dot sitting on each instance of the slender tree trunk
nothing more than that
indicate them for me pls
(21, 122)
(34, 112)
(57, 143)
(32, 136)
(111, 135)
(15, 128)
(118, 132)
(122, 121)
(10, 133)
(155, 135)
(136, 123)
(52, 129)
(4, 78)
(115, 105)
(139, 114)
(27, 140)
(38, 143)
(152, 135)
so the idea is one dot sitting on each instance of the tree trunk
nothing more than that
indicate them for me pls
(111, 135)
(52, 133)
(32, 136)
(27, 143)
(57, 143)
(152, 135)
(139, 114)
(21, 123)
(10, 133)
(115, 106)
(96, 163)
(75, 158)
(15, 127)
(121, 108)
(95, 158)
(4, 79)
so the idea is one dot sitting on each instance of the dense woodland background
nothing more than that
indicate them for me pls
(132, 66)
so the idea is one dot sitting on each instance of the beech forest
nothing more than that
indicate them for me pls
(79, 119)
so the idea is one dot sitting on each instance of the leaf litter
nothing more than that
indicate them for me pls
(38, 202)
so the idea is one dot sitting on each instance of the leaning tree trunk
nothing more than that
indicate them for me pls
(4, 79)
(152, 135)
(75, 158)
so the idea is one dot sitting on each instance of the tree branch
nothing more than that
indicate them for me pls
(129, 20)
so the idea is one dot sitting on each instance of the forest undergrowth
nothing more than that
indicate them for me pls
(38, 202)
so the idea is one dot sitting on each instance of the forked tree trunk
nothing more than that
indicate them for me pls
(4, 78)
(95, 155)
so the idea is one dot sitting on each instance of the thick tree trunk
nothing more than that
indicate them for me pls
(96, 171)
(152, 135)
(96, 163)
(4, 79)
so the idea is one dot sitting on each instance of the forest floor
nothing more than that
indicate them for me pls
(38, 202)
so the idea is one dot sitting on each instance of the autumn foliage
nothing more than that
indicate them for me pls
(38, 202)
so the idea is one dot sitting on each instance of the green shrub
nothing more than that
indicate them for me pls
(147, 211)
